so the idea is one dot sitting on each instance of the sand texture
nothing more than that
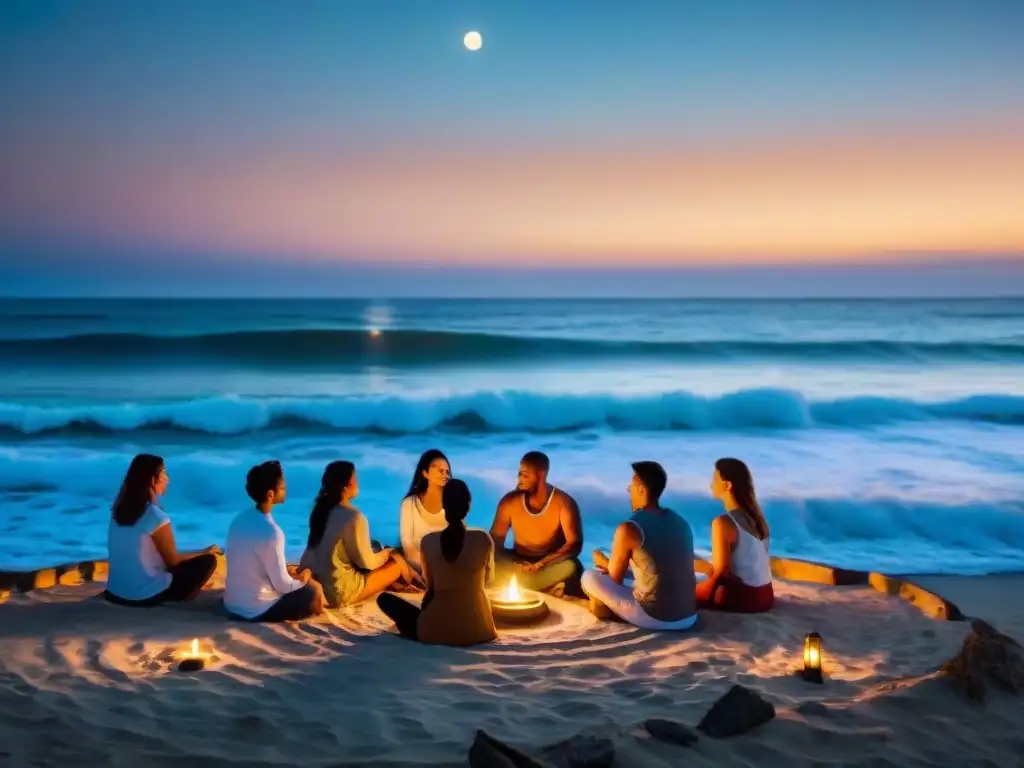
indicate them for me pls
(85, 683)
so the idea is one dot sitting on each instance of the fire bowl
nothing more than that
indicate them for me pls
(529, 608)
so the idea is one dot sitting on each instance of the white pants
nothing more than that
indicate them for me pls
(620, 600)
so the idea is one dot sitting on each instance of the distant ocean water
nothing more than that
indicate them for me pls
(882, 434)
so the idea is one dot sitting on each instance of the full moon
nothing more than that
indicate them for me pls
(473, 41)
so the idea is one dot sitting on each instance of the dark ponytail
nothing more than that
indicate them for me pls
(456, 498)
(336, 477)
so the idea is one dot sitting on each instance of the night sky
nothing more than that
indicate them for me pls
(239, 146)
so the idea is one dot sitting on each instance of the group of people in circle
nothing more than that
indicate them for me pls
(646, 579)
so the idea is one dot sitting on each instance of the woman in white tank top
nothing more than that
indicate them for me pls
(741, 576)
(422, 509)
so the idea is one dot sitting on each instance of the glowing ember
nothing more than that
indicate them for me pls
(512, 593)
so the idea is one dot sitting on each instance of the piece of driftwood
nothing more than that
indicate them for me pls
(782, 567)
(987, 655)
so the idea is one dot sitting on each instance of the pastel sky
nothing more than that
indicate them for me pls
(261, 138)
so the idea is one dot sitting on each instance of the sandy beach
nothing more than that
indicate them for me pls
(84, 683)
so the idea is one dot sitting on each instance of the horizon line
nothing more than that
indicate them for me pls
(510, 299)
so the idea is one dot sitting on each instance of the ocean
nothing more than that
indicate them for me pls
(882, 434)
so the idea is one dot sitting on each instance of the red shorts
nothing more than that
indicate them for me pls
(734, 596)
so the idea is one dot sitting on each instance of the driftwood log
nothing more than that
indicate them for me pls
(987, 655)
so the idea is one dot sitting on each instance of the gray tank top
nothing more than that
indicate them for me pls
(663, 580)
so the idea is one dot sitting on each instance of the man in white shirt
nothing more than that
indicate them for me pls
(260, 586)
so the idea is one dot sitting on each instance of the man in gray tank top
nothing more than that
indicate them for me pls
(658, 545)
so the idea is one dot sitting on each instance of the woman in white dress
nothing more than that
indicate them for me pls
(422, 509)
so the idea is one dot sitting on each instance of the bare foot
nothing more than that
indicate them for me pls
(602, 611)
(558, 590)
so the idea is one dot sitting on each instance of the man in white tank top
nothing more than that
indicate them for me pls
(545, 523)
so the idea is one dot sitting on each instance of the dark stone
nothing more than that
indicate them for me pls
(813, 709)
(738, 711)
(488, 752)
(670, 732)
(18, 581)
(581, 751)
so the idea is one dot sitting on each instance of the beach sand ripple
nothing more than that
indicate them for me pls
(87, 684)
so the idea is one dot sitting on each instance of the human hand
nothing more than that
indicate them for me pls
(213, 549)
(320, 601)
(306, 577)
(409, 574)
(530, 567)
(600, 559)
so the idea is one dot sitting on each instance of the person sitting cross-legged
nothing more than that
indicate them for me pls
(657, 544)
(259, 585)
(546, 527)
(339, 550)
(741, 569)
(145, 567)
(457, 562)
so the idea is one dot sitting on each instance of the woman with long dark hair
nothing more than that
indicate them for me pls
(457, 563)
(145, 567)
(338, 550)
(741, 575)
(422, 509)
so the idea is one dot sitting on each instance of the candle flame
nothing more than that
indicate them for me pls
(195, 646)
(512, 591)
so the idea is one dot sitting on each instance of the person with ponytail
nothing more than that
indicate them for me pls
(457, 563)
(741, 577)
(145, 566)
(338, 550)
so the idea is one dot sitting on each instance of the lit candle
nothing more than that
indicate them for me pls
(191, 660)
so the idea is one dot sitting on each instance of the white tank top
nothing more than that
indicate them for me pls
(750, 561)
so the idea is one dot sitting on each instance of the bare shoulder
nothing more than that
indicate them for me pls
(509, 500)
(629, 530)
(725, 524)
(568, 502)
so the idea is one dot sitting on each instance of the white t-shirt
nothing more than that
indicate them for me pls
(257, 571)
(136, 570)
(415, 522)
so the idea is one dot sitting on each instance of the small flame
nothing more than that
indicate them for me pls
(512, 591)
(374, 333)
(195, 646)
